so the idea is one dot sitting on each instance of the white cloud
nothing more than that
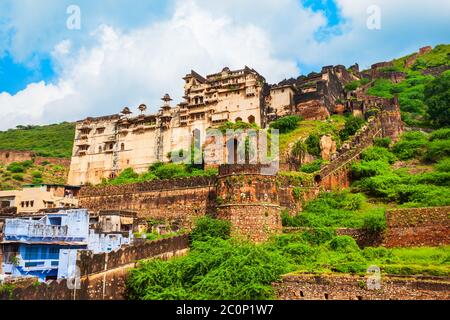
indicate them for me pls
(129, 68)
(120, 65)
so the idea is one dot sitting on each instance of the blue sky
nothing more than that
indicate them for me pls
(131, 53)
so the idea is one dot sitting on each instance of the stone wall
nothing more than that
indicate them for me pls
(176, 201)
(353, 287)
(249, 200)
(412, 227)
(103, 276)
(9, 156)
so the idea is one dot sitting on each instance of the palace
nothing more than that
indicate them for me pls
(104, 146)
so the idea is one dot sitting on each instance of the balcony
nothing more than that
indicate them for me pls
(17, 229)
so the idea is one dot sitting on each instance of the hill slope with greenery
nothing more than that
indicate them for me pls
(54, 140)
(423, 99)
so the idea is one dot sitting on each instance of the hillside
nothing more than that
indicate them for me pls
(48, 141)
(17, 174)
(417, 92)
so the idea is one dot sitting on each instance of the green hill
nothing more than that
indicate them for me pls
(412, 92)
(54, 140)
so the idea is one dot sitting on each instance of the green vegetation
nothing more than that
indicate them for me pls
(27, 172)
(160, 171)
(423, 99)
(332, 126)
(312, 167)
(428, 186)
(239, 125)
(221, 268)
(352, 125)
(49, 141)
(286, 124)
(437, 98)
(336, 210)
(313, 145)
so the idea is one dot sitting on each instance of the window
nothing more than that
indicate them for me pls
(31, 203)
(31, 253)
(251, 119)
(100, 149)
(53, 253)
(22, 204)
(122, 147)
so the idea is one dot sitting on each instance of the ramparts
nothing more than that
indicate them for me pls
(354, 287)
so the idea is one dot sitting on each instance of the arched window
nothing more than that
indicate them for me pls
(100, 149)
(238, 119)
(251, 119)
(122, 147)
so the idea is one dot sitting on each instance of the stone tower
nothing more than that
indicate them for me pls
(249, 200)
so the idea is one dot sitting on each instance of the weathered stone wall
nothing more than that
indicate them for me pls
(413, 227)
(176, 201)
(249, 200)
(353, 287)
(9, 156)
(294, 198)
(65, 162)
(103, 276)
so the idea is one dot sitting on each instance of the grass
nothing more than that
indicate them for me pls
(49, 141)
(308, 127)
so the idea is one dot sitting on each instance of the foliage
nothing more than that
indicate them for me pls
(286, 124)
(207, 227)
(437, 98)
(375, 222)
(332, 210)
(48, 141)
(313, 145)
(378, 153)
(294, 178)
(412, 145)
(382, 142)
(160, 171)
(312, 167)
(352, 86)
(440, 134)
(352, 125)
(240, 125)
(365, 169)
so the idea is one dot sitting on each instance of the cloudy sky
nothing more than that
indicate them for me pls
(130, 52)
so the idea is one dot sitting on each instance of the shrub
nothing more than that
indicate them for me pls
(16, 167)
(36, 174)
(312, 167)
(18, 177)
(344, 244)
(441, 134)
(437, 98)
(352, 125)
(437, 150)
(352, 86)
(412, 145)
(366, 169)
(313, 145)
(206, 228)
(378, 154)
(443, 165)
(382, 142)
(375, 221)
(286, 124)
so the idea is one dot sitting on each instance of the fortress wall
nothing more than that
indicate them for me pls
(172, 201)
(413, 227)
(354, 287)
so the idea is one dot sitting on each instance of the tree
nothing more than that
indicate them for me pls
(437, 98)
(299, 150)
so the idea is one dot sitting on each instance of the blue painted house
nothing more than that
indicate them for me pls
(34, 247)
(47, 247)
